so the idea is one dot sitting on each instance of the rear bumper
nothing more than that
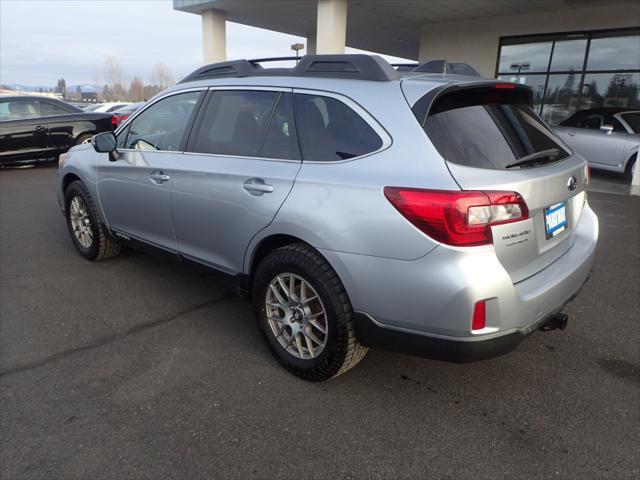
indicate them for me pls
(373, 335)
(424, 307)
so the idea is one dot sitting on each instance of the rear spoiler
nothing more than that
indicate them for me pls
(423, 106)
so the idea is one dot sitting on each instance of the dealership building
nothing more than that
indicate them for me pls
(575, 54)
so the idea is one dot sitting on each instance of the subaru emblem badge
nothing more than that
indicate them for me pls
(572, 183)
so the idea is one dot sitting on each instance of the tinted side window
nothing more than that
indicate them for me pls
(49, 109)
(162, 125)
(592, 122)
(19, 109)
(281, 140)
(234, 123)
(617, 126)
(330, 130)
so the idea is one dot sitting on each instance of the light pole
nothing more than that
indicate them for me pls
(520, 67)
(297, 47)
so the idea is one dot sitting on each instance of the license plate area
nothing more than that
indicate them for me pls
(555, 220)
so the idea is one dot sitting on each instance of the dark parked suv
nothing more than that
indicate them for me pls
(34, 129)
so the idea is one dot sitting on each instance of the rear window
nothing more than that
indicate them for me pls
(329, 130)
(490, 128)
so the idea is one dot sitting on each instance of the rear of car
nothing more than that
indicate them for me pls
(516, 241)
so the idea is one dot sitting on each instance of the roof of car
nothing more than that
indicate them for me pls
(602, 111)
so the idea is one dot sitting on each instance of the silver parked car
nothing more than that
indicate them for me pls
(608, 138)
(355, 206)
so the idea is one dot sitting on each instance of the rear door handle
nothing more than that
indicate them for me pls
(256, 186)
(40, 128)
(159, 177)
(572, 134)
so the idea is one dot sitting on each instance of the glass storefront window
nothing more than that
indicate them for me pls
(611, 90)
(561, 97)
(571, 72)
(568, 55)
(535, 54)
(614, 53)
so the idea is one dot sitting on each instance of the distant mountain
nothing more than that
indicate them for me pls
(26, 88)
(84, 88)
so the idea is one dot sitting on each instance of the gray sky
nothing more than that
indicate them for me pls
(43, 40)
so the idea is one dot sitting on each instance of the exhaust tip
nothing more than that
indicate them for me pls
(558, 321)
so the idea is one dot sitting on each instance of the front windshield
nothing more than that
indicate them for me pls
(633, 120)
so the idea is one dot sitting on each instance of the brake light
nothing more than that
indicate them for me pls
(505, 86)
(479, 319)
(458, 217)
(114, 121)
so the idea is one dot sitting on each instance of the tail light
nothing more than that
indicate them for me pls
(114, 121)
(459, 218)
(588, 174)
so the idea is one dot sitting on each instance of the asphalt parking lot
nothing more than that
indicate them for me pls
(135, 368)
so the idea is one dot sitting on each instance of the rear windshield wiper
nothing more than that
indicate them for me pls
(551, 154)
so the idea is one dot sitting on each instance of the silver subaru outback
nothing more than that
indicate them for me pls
(354, 205)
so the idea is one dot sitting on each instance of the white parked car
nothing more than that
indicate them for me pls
(105, 107)
(607, 138)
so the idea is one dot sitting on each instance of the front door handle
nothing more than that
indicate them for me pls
(256, 186)
(159, 177)
(40, 128)
(572, 134)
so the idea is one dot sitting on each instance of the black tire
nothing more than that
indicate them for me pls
(102, 246)
(628, 171)
(81, 138)
(342, 350)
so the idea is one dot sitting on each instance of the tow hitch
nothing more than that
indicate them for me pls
(559, 321)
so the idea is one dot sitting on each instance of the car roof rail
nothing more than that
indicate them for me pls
(349, 66)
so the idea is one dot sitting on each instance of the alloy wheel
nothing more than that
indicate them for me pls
(80, 222)
(296, 316)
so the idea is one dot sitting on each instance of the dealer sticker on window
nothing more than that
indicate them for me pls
(555, 219)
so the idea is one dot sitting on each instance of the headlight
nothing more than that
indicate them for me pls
(62, 158)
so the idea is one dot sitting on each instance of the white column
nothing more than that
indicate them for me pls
(331, 32)
(311, 44)
(423, 48)
(635, 178)
(214, 36)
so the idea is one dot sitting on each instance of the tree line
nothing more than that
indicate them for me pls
(117, 87)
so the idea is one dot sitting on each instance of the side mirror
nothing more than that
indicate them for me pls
(106, 142)
(606, 129)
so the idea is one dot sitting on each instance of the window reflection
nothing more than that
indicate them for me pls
(535, 54)
(561, 97)
(568, 55)
(614, 53)
(560, 64)
(611, 90)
